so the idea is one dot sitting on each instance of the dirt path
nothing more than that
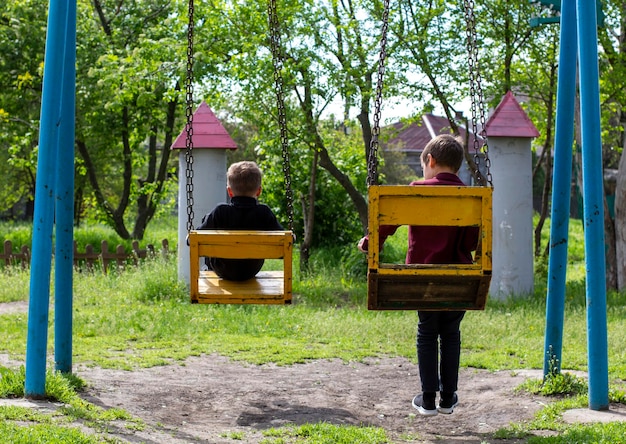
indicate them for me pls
(209, 397)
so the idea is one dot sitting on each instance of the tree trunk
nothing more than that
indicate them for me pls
(620, 219)
(324, 158)
(308, 212)
(547, 154)
(547, 186)
(357, 198)
(610, 250)
(366, 129)
(149, 201)
(102, 202)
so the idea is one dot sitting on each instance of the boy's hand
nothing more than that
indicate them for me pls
(363, 244)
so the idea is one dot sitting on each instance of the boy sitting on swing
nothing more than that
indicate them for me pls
(244, 212)
(441, 159)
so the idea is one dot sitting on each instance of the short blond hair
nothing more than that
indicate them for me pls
(244, 178)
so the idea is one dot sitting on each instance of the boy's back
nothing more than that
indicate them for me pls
(243, 212)
(441, 245)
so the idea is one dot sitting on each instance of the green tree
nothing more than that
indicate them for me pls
(432, 60)
(22, 38)
(328, 53)
(130, 62)
(432, 45)
(128, 83)
(505, 35)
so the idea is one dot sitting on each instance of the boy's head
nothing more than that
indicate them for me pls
(244, 179)
(444, 153)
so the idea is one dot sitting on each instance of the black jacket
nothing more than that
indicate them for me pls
(242, 213)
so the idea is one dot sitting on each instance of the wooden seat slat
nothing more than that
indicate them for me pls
(446, 207)
(266, 288)
(445, 270)
(234, 251)
(424, 292)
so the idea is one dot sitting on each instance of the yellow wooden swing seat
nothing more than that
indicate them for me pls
(429, 287)
(268, 287)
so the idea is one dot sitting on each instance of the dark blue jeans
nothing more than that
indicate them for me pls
(439, 330)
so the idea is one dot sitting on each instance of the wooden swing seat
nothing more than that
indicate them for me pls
(429, 287)
(268, 287)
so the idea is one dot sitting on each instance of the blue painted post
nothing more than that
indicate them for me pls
(64, 255)
(37, 338)
(562, 174)
(593, 193)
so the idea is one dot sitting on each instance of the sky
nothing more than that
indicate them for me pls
(394, 110)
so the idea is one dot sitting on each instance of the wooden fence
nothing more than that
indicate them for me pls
(89, 259)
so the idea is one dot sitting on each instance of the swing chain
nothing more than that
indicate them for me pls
(372, 158)
(476, 95)
(189, 116)
(277, 60)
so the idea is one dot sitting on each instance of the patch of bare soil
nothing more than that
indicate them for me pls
(14, 307)
(208, 398)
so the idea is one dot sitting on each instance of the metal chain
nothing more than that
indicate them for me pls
(277, 60)
(476, 94)
(189, 115)
(372, 159)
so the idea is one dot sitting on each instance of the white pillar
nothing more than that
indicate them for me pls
(511, 164)
(209, 189)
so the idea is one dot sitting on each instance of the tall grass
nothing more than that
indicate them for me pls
(15, 284)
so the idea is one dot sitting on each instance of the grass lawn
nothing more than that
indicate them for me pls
(141, 317)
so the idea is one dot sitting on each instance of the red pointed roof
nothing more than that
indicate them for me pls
(208, 132)
(510, 120)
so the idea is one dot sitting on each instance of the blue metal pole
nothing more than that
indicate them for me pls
(64, 255)
(37, 338)
(562, 175)
(593, 195)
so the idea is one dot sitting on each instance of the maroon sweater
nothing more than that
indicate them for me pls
(437, 245)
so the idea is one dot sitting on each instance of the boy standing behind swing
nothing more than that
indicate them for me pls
(244, 212)
(441, 159)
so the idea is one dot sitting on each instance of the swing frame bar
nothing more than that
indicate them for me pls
(429, 287)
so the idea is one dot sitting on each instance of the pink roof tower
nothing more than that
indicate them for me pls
(510, 133)
(210, 143)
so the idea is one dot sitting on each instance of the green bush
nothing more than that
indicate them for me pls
(20, 233)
